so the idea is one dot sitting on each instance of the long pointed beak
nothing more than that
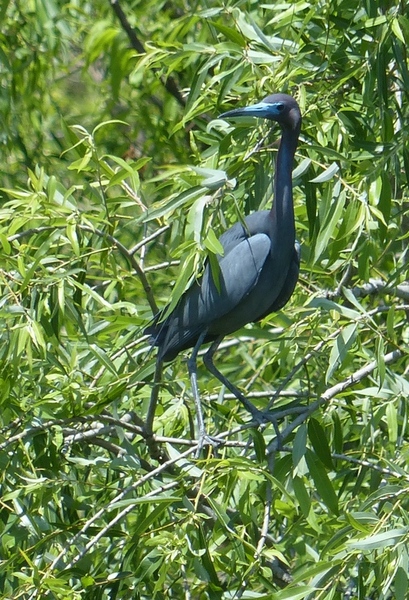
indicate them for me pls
(254, 110)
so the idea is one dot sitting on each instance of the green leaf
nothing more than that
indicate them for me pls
(185, 198)
(322, 482)
(327, 174)
(5, 243)
(379, 541)
(102, 358)
(259, 445)
(401, 584)
(300, 444)
(340, 348)
(318, 439)
(213, 244)
(328, 226)
(302, 496)
(231, 34)
(397, 30)
(392, 421)
(213, 179)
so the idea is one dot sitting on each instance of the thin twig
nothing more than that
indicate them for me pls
(150, 416)
(164, 265)
(148, 239)
(371, 465)
(374, 286)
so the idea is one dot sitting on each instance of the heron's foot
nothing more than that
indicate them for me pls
(207, 440)
(262, 417)
(258, 416)
(269, 417)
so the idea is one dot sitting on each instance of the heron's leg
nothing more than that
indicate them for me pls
(257, 414)
(192, 368)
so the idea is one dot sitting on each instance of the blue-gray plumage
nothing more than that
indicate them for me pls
(260, 264)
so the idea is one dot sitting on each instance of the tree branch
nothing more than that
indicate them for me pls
(169, 83)
(375, 286)
(330, 393)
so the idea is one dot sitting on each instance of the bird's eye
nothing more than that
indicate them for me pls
(280, 107)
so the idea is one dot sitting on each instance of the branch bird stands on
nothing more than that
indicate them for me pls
(258, 269)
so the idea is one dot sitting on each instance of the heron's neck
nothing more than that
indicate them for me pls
(282, 211)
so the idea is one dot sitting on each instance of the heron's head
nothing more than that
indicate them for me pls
(278, 107)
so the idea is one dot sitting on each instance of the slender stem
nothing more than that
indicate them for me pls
(154, 398)
(192, 367)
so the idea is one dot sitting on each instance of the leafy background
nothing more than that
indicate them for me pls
(117, 177)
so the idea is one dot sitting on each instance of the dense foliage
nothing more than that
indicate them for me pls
(117, 178)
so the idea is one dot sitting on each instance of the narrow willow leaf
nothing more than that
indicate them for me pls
(71, 231)
(82, 163)
(353, 300)
(231, 34)
(5, 243)
(302, 495)
(327, 174)
(109, 122)
(88, 291)
(215, 270)
(398, 31)
(300, 444)
(328, 227)
(380, 494)
(390, 323)
(302, 168)
(195, 219)
(186, 272)
(183, 463)
(340, 348)
(401, 584)
(319, 442)
(295, 593)
(37, 335)
(380, 360)
(259, 445)
(380, 540)
(196, 86)
(338, 435)
(103, 358)
(392, 422)
(212, 243)
(358, 524)
(322, 482)
(185, 198)
(212, 178)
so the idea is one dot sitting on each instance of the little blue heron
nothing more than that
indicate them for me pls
(257, 271)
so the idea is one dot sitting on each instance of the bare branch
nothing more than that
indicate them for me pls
(371, 465)
(375, 286)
